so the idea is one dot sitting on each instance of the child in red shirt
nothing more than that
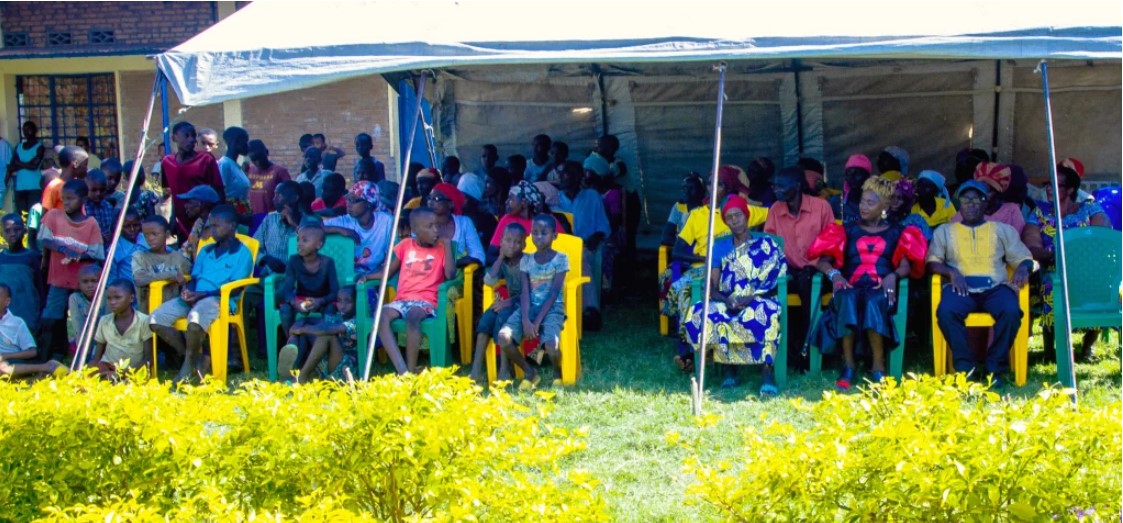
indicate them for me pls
(424, 263)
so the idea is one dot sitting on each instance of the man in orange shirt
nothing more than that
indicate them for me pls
(72, 161)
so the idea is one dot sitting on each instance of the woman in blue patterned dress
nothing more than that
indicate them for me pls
(744, 316)
(1039, 233)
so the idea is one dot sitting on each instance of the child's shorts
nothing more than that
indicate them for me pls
(549, 330)
(491, 321)
(404, 306)
(202, 314)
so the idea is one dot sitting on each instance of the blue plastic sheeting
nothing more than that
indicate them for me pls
(407, 107)
(271, 47)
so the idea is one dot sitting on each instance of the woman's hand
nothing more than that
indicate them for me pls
(839, 282)
(889, 285)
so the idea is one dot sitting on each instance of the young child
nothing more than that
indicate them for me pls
(72, 162)
(332, 203)
(113, 194)
(130, 242)
(20, 269)
(78, 306)
(97, 207)
(425, 262)
(17, 346)
(310, 283)
(217, 264)
(123, 335)
(540, 313)
(73, 241)
(143, 199)
(158, 263)
(506, 267)
(335, 339)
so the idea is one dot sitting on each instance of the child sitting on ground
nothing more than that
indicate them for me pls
(78, 306)
(309, 286)
(540, 313)
(224, 261)
(21, 269)
(332, 203)
(425, 262)
(335, 339)
(158, 262)
(73, 240)
(17, 346)
(121, 336)
(506, 267)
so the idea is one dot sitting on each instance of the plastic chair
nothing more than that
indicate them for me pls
(219, 332)
(465, 319)
(570, 344)
(341, 250)
(1019, 352)
(780, 361)
(676, 272)
(900, 320)
(1094, 282)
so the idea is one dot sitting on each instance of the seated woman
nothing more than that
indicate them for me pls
(1039, 236)
(693, 194)
(873, 256)
(901, 210)
(744, 317)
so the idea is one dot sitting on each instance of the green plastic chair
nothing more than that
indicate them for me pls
(780, 361)
(341, 250)
(436, 329)
(1094, 275)
(896, 356)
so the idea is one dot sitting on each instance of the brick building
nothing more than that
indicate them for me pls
(82, 69)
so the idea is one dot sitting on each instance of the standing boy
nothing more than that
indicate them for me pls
(97, 207)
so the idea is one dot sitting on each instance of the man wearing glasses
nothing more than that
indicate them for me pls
(972, 256)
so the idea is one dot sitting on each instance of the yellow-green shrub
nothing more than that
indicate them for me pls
(922, 450)
(425, 447)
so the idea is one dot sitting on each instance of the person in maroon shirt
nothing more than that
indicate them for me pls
(264, 177)
(185, 170)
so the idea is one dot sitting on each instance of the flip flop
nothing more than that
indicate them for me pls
(769, 390)
(285, 360)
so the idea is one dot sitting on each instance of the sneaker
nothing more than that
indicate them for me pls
(877, 376)
(844, 379)
(285, 360)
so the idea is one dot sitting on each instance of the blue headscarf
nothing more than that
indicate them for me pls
(937, 179)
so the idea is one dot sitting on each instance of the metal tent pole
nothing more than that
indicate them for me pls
(697, 385)
(167, 131)
(1058, 242)
(90, 324)
(394, 229)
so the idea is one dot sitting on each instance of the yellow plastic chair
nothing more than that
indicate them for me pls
(573, 248)
(465, 320)
(664, 262)
(1019, 352)
(219, 332)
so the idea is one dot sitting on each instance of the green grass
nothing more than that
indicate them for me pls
(631, 395)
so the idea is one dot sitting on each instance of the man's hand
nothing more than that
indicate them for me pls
(1021, 276)
(958, 282)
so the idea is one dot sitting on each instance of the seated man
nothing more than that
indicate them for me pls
(972, 256)
(217, 264)
(798, 219)
(590, 223)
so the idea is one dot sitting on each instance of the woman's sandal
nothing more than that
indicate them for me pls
(768, 390)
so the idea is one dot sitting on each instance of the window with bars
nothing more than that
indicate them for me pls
(16, 40)
(102, 36)
(59, 38)
(68, 106)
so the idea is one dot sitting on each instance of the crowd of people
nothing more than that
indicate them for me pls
(182, 237)
(985, 243)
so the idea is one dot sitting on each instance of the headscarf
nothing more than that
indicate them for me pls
(906, 189)
(471, 185)
(901, 155)
(597, 164)
(453, 194)
(529, 194)
(735, 202)
(995, 175)
(1074, 164)
(735, 180)
(549, 193)
(859, 160)
(940, 182)
(369, 192)
(429, 173)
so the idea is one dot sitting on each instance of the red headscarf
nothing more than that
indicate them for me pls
(1074, 164)
(994, 174)
(734, 179)
(735, 201)
(453, 194)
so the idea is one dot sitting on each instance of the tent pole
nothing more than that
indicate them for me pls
(700, 385)
(420, 87)
(163, 86)
(430, 142)
(90, 325)
(1059, 242)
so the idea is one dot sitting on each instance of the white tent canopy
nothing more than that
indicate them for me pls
(270, 47)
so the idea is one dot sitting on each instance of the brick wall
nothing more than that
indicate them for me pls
(339, 111)
(135, 89)
(156, 24)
